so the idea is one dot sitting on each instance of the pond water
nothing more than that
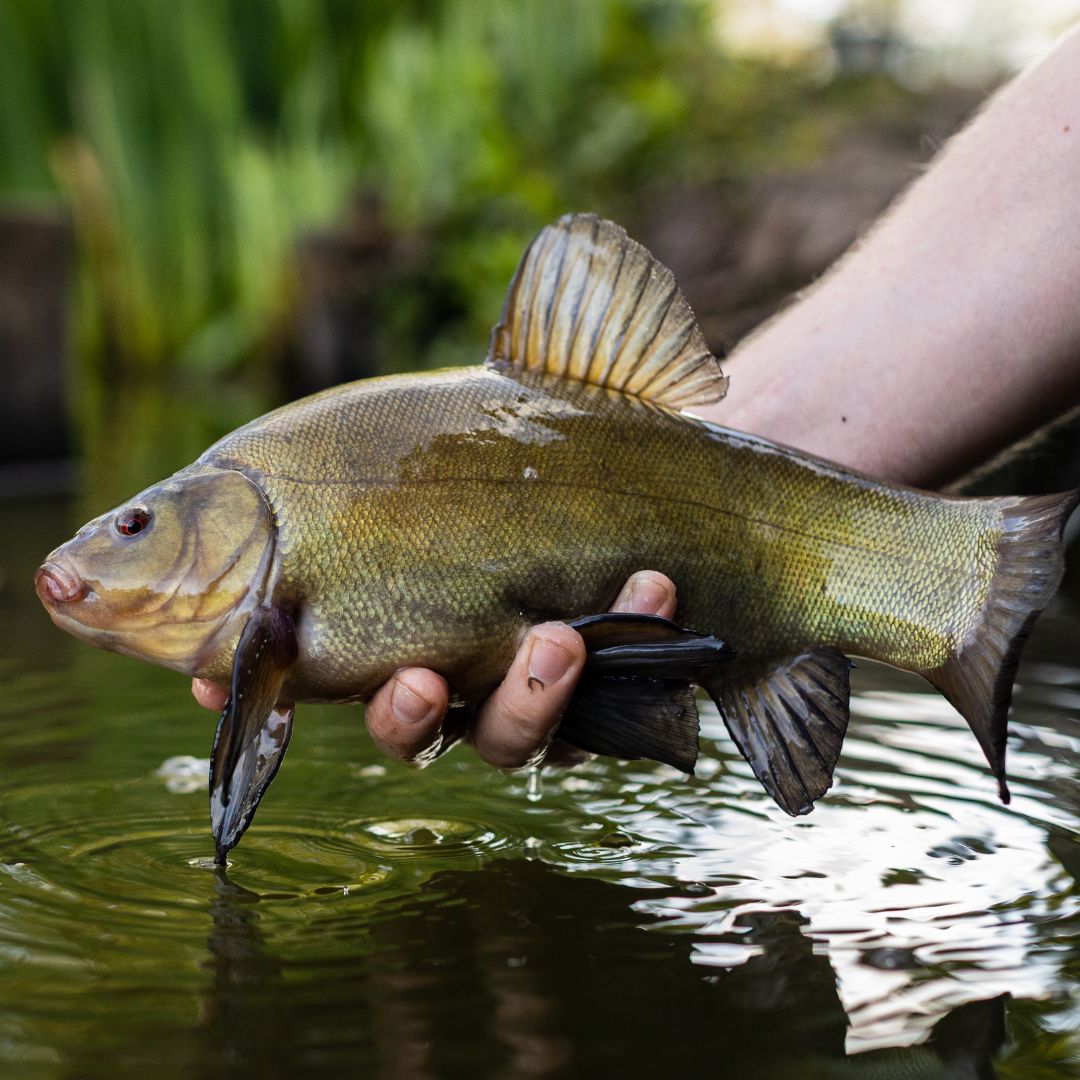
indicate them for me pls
(380, 921)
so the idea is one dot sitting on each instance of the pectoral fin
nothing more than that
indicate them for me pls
(789, 723)
(254, 730)
(634, 698)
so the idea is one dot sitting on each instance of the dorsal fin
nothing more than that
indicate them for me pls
(589, 303)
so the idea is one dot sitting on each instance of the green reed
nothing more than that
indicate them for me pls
(195, 142)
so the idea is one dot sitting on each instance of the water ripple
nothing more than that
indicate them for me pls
(920, 889)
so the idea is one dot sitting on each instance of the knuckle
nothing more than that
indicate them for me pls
(529, 727)
(510, 758)
(512, 734)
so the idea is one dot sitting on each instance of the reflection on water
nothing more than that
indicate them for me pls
(474, 971)
(381, 921)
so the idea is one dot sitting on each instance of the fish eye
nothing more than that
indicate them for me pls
(132, 521)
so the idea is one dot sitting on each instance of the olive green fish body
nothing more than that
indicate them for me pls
(430, 519)
(427, 519)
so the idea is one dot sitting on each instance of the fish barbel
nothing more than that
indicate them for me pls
(430, 519)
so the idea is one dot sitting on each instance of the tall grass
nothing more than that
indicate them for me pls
(195, 140)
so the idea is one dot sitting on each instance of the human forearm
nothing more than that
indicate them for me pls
(954, 327)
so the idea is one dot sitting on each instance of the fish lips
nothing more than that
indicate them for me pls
(57, 584)
(67, 598)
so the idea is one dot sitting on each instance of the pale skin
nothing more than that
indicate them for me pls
(950, 331)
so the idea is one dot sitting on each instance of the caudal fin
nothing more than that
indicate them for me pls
(978, 680)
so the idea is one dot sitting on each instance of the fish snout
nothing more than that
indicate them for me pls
(57, 584)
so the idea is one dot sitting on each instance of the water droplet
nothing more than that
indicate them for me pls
(534, 792)
(530, 473)
(889, 959)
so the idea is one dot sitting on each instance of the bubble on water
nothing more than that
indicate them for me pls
(890, 959)
(427, 837)
(371, 771)
(611, 846)
(184, 773)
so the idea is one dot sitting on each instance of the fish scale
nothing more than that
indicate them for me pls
(428, 520)
(435, 544)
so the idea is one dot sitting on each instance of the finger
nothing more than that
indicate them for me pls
(563, 756)
(648, 592)
(516, 723)
(209, 695)
(405, 715)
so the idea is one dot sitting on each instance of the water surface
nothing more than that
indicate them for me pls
(380, 921)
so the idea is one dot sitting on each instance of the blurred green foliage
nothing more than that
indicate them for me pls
(196, 141)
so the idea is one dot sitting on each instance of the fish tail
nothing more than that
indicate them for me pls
(978, 678)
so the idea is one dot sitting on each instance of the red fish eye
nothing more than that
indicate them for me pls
(133, 521)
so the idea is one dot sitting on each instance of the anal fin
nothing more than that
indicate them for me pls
(634, 698)
(789, 721)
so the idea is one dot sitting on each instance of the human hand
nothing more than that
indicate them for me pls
(516, 723)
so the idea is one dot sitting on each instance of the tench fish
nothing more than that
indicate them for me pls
(429, 519)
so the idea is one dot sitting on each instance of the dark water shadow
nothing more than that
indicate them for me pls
(519, 971)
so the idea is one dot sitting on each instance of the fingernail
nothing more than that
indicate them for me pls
(548, 661)
(641, 594)
(408, 706)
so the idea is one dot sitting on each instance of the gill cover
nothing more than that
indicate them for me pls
(164, 576)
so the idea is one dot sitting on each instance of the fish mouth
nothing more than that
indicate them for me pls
(57, 584)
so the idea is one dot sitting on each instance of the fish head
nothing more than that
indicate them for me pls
(167, 574)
